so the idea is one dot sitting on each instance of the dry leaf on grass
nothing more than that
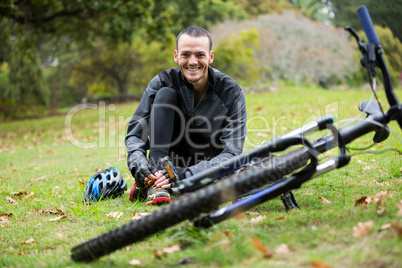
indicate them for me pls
(258, 219)
(59, 218)
(116, 215)
(282, 249)
(362, 228)
(137, 215)
(134, 262)
(280, 218)
(21, 192)
(325, 201)
(172, 249)
(319, 264)
(156, 254)
(385, 227)
(252, 213)
(397, 227)
(60, 236)
(399, 205)
(361, 201)
(38, 179)
(12, 201)
(29, 241)
(257, 243)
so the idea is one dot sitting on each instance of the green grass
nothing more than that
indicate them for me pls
(317, 232)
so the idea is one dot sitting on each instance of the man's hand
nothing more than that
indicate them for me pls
(164, 180)
(142, 172)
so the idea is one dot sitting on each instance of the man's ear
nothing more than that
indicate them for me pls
(176, 58)
(211, 57)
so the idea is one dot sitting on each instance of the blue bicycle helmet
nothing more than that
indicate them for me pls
(105, 184)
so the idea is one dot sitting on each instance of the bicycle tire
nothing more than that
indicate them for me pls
(189, 206)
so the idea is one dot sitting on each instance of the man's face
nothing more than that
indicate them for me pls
(193, 57)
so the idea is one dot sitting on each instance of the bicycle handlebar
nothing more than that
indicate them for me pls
(379, 60)
(368, 26)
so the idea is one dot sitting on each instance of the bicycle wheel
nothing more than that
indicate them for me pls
(190, 206)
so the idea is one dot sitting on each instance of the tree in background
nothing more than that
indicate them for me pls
(118, 71)
(383, 13)
(73, 23)
(255, 8)
(235, 56)
(27, 83)
(296, 48)
(315, 9)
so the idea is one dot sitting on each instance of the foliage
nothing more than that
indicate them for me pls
(391, 45)
(235, 56)
(314, 9)
(82, 21)
(295, 48)
(117, 70)
(257, 7)
(26, 80)
(393, 56)
(384, 13)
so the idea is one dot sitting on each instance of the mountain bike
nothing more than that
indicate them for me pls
(283, 173)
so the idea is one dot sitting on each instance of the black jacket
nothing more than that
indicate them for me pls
(218, 121)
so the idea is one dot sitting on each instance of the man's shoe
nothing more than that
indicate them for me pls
(138, 193)
(157, 196)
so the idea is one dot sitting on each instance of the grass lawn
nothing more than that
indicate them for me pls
(45, 164)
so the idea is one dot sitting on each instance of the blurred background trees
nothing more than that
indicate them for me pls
(54, 53)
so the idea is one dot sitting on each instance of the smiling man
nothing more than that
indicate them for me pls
(194, 114)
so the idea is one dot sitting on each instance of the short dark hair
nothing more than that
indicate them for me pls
(195, 31)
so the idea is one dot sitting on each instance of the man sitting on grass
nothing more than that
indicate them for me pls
(194, 114)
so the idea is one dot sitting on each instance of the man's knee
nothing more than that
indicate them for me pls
(166, 95)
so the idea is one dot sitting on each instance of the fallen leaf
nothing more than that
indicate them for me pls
(21, 192)
(12, 201)
(258, 219)
(228, 234)
(4, 219)
(137, 216)
(397, 227)
(82, 181)
(20, 253)
(116, 215)
(156, 254)
(260, 247)
(325, 201)
(319, 264)
(59, 218)
(134, 262)
(282, 249)
(128, 248)
(399, 205)
(29, 241)
(172, 249)
(361, 201)
(362, 228)
(381, 211)
(239, 216)
(6, 214)
(50, 151)
(385, 227)
(60, 236)
(252, 213)
(280, 218)
(38, 179)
